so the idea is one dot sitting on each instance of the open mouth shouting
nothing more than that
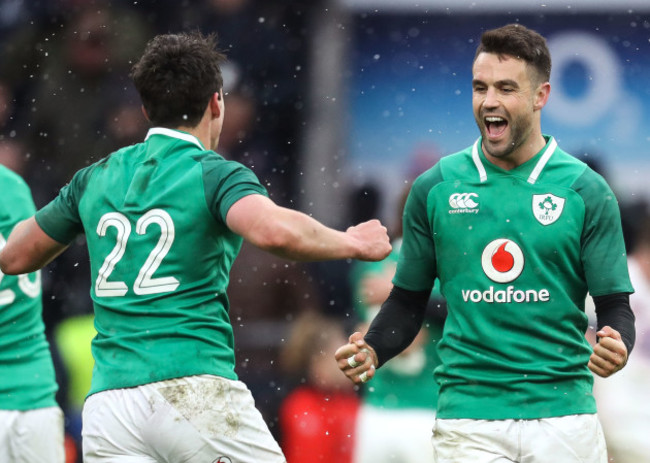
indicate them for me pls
(495, 126)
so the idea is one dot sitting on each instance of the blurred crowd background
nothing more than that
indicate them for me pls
(66, 101)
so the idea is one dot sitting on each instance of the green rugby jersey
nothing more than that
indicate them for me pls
(27, 377)
(154, 217)
(516, 253)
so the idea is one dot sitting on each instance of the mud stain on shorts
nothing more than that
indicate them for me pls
(207, 405)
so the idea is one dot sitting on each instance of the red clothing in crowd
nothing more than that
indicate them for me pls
(317, 426)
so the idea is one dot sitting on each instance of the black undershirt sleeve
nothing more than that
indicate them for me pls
(614, 310)
(397, 323)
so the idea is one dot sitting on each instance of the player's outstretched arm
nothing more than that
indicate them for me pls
(294, 235)
(28, 249)
(356, 359)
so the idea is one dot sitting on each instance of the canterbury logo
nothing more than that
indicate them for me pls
(463, 203)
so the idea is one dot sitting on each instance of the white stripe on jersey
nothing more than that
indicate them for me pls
(478, 163)
(174, 134)
(552, 144)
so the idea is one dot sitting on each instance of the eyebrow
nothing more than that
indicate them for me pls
(499, 83)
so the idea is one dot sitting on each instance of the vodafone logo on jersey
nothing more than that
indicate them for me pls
(502, 260)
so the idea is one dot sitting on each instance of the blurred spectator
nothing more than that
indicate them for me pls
(317, 419)
(621, 398)
(72, 102)
(398, 406)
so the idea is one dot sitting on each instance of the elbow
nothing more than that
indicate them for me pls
(9, 266)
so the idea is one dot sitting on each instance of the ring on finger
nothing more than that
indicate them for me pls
(352, 362)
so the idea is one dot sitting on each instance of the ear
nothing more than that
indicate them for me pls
(216, 105)
(144, 113)
(541, 96)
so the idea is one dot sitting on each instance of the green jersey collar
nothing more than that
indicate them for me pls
(547, 152)
(174, 134)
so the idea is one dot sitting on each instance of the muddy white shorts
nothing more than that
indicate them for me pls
(202, 419)
(566, 439)
(32, 436)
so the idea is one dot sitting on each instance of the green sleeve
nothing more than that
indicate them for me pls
(603, 248)
(416, 268)
(225, 183)
(60, 218)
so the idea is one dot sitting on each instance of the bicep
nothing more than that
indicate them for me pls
(247, 214)
(28, 249)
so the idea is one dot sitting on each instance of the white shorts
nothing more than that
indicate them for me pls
(202, 419)
(565, 439)
(393, 435)
(32, 436)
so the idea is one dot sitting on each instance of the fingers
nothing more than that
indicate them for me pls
(356, 360)
(610, 353)
(372, 236)
(609, 332)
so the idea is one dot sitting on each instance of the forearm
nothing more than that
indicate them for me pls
(296, 236)
(397, 323)
(28, 249)
(614, 310)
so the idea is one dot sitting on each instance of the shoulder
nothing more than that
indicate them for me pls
(213, 161)
(578, 175)
(220, 172)
(451, 167)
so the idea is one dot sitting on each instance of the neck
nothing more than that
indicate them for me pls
(200, 131)
(520, 155)
(207, 130)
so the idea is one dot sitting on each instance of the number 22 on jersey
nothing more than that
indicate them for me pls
(145, 283)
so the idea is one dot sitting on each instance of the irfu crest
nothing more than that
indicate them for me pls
(547, 208)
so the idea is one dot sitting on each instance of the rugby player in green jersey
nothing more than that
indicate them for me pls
(518, 232)
(31, 422)
(164, 220)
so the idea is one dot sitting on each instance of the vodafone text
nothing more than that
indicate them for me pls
(510, 294)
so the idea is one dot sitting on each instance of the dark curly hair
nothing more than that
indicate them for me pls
(522, 43)
(176, 76)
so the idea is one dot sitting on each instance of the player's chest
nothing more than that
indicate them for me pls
(540, 216)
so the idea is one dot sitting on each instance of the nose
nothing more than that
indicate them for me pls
(491, 100)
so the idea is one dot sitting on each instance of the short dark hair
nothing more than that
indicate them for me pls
(176, 76)
(520, 42)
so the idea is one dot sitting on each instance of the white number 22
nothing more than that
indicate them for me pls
(144, 283)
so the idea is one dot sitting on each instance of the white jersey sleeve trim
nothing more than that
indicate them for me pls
(550, 149)
(174, 134)
(477, 162)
